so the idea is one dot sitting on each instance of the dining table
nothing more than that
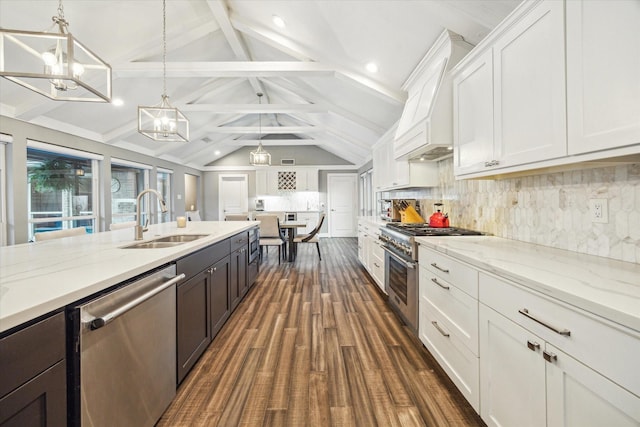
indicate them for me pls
(291, 227)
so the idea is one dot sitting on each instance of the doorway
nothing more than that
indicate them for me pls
(233, 194)
(342, 196)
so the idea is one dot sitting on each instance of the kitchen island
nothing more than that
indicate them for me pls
(37, 278)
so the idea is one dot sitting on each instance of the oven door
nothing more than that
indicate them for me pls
(401, 283)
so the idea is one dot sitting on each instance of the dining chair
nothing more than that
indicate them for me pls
(121, 225)
(57, 234)
(237, 217)
(310, 238)
(271, 235)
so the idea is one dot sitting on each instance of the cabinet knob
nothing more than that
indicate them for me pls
(214, 269)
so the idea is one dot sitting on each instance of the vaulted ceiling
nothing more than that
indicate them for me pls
(220, 53)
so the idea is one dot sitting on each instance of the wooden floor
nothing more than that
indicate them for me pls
(315, 344)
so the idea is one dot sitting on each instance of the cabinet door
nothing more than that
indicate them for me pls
(578, 396)
(41, 401)
(220, 302)
(512, 373)
(530, 111)
(603, 69)
(237, 276)
(272, 182)
(380, 172)
(193, 322)
(473, 115)
(312, 180)
(261, 183)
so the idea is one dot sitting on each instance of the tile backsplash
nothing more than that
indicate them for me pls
(549, 209)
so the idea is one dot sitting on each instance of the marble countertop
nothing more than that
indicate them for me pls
(606, 287)
(376, 220)
(36, 278)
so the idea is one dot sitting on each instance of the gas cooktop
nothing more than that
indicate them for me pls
(425, 230)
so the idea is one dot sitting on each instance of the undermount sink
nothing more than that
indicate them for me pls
(180, 238)
(166, 242)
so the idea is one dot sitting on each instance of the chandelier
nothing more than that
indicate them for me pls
(260, 157)
(54, 64)
(163, 122)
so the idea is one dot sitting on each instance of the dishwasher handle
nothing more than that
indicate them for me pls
(99, 322)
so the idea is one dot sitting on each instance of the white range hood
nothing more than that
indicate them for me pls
(425, 129)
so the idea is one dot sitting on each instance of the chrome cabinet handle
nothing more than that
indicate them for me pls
(434, 280)
(533, 346)
(101, 321)
(376, 264)
(491, 163)
(565, 332)
(444, 270)
(435, 324)
(549, 357)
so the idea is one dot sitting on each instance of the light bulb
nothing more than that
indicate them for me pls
(78, 69)
(49, 58)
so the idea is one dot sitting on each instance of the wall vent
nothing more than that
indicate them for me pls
(287, 162)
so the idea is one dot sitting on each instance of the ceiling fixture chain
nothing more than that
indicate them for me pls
(260, 157)
(163, 122)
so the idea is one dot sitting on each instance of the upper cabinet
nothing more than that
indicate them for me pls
(275, 180)
(539, 93)
(425, 128)
(603, 74)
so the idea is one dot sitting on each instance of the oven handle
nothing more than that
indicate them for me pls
(402, 261)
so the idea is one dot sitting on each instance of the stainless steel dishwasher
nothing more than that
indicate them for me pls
(125, 342)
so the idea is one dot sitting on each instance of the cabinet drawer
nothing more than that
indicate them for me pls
(196, 262)
(240, 240)
(452, 354)
(603, 346)
(458, 310)
(30, 351)
(447, 268)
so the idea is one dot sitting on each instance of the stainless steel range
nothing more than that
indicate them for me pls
(401, 264)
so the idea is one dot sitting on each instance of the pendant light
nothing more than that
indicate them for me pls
(163, 122)
(260, 157)
(54, 64)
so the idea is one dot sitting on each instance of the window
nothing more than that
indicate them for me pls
(164, 187)
(367, 194)
(62, 188)
(4, 139)
(128, 179)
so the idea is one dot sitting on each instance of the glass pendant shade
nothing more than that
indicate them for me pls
(260, 157)
(163, 122)
(55, 65)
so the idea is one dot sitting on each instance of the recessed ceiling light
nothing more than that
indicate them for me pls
(118, 102)
(372, 67)
(278, 21)
(217, 152)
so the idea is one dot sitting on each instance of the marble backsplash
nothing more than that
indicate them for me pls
(550, 209)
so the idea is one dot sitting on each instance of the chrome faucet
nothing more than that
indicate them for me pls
(140, 229)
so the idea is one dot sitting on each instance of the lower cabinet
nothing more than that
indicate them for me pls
(370, 252)
(220, 302)
(238, 283)
(543, 363)
(193, 320)
(33, 380)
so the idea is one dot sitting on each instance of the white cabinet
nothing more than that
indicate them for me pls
(448, 319)
(473, 115)
(509, 97)
(370, 252)
(544, 363)
(268, 182)
(603, 69)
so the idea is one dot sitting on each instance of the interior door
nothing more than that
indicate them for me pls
(233, 194)
(342, 199)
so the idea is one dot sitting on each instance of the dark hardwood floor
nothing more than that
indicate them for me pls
(315, 344)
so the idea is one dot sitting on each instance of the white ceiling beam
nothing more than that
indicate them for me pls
(223, 69)
(292, 48)
(266, 129)
(254, 108)
(311, 93)
(219, 10)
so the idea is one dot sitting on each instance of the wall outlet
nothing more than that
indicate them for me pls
(598, 210)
